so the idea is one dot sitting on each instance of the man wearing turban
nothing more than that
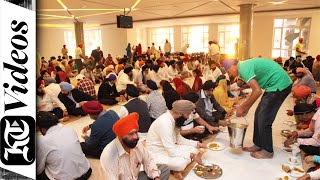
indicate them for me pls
(122, 158)
(73, 99)
(101, 129)
(306, 78)
(166, 143)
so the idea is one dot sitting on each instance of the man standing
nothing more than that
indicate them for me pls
(64, 52)
(167, 48)
(214, 51)
(59, 155)
(79, 57)
(101, 129)
(122, 158)
(260, 73)
(299, 48)
(97, 54)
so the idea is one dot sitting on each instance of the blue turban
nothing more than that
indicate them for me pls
(66, 86)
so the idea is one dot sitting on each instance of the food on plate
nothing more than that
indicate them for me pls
(298, 170)
(286, 178)
(200, 168)
(286, 169)
(199, 173)
(213, 146)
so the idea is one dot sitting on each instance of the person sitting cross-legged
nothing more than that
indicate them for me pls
(135, 104)
(122, 158)
(208, 108)
(166, 143)
(73, 99)
(101, 129)
(195, 127)
(59, 154)
(108, 93)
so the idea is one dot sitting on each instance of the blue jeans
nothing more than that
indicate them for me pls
(264, 116)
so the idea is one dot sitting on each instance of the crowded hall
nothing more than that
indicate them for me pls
(144, 89)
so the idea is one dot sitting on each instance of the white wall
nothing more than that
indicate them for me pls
(263, 32)
(50, 41)
(114, 40)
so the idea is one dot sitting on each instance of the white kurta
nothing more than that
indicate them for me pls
(59, 153)
(167, 145)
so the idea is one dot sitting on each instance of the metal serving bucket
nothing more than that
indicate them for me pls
(237, 132)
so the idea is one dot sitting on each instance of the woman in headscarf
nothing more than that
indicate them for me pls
(221, 94)
(169, 93)
(129, 53)
(197, 84)
(139, 50)
(181, 87)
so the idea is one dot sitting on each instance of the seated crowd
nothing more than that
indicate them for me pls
(162, 133)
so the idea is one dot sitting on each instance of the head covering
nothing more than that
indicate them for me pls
(318, 58)
(228, 63)
(66, 86)
(128, 69)
(49, 80)
(301, 70)
(152, 85)
(112, 77)
(92, 107)
(144, 67)
(302, 108)
(301, 91)
(177, 82)
(132, 91)
(141, 63)
(125, 125)
(318, 102)
(183, 106)
(80, 77)
(191, 96)
(46, 119)
(208, 85)
(220, 78)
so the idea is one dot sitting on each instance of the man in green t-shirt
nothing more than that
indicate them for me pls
(260, 73)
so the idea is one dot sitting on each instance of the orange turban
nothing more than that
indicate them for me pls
(120, 67)
(301, 91)
(141, 63)
(125, 125)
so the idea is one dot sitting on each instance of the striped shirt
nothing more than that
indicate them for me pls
(156, 104)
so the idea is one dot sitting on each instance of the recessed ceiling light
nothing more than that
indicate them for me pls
(277, 2)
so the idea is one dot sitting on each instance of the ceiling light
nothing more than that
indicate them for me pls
(61, 3)
(135, 4)
(278, 2)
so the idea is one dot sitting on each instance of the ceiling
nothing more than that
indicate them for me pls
(104, 11)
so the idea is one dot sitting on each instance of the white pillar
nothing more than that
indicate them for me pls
(246, 22)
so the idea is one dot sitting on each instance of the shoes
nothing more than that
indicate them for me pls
(261, 155)
(253, 148)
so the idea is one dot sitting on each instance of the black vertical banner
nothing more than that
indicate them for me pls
(17, 88)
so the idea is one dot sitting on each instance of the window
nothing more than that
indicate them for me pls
(159, 36)
(228, 35)
(92, 39)
(196, 37)
(286, 35)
